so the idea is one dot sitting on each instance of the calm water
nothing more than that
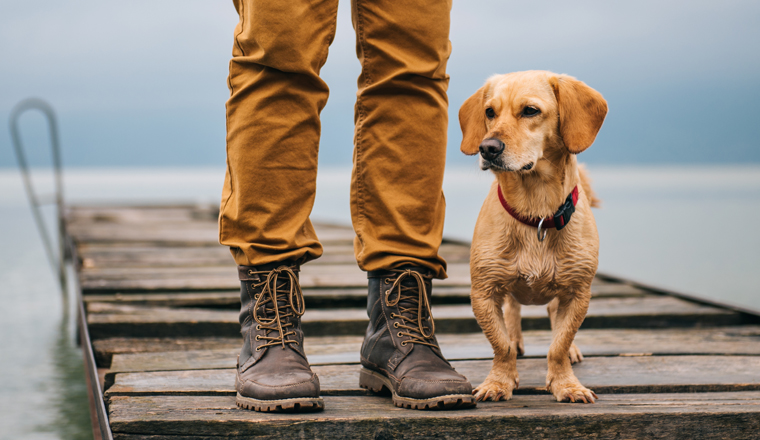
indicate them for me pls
(690, 229)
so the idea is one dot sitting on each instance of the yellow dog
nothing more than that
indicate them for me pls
(535, 241)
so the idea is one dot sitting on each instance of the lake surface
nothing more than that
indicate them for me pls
(690, 229)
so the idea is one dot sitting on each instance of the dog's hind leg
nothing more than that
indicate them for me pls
(513, 323)
(575, 352)
(560, 379)
(503, 378)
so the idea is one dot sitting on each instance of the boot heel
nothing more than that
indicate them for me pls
(372, 381)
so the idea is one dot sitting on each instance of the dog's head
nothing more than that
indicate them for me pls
(514, 120)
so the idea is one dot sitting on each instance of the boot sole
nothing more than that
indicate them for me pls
(375, 382)
(301, 404)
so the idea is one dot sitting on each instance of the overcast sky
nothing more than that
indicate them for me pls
(143, 82)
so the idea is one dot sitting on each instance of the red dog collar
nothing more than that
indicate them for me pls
(559, 220)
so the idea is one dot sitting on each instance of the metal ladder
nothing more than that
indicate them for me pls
(57, 257)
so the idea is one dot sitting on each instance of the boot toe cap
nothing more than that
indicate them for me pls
(280, 386)
(424, 388)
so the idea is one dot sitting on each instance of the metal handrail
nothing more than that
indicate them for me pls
(57, 259)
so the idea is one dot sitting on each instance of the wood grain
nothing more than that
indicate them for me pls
(317, 298)
(226, 278)
(163, 225)
(152, 354)
(691, 415)
(604, 375)
(161, 300)
(105, 255)
(115, 320)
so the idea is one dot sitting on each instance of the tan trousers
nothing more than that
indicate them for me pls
(273, 128)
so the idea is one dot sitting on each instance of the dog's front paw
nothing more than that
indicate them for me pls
(572, 391)
(575, 354)
(495, 390)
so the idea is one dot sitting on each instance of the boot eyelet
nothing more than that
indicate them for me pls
(258, 338)
(387, 281)
(258, 348)
(403, 344)
(395, 324)
(256, 296)
(393, 315)
(258, 327)
(387, 292)
(399, 334)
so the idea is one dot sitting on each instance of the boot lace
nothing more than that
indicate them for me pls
(415, 308)
(276, 304)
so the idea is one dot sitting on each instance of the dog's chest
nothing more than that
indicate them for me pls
(534, 278)
(535, 275)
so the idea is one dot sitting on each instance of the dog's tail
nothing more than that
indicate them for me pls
(586, 184)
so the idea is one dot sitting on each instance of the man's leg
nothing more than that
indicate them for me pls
(273, 129)
(397, 204)
(401, 118)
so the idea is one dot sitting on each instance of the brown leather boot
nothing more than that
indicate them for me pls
(400, 351)
(272, 371)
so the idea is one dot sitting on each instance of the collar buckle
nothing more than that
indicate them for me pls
(563, 214)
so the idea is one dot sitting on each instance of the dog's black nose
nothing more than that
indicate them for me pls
(491, 148)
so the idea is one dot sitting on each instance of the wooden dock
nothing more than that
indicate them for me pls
(159, 301)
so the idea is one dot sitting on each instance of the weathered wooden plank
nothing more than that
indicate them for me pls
(125, 255)
(315, 298)
(148, 261)
(105, 349)
(159, 214)
(227, 299)
(158, 354)
(96, 280)
(195, 233)
(694, 415)
(96, 255)
(226, 278)
(114, 320)
(166, 232)
(319, 298)
(603, 289)
(142, 213)
(605, 375)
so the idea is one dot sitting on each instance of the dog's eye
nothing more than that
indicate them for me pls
(490, 114)
(530, 111)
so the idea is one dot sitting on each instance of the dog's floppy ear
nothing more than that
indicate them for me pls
(472, 120)
(581, 112)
